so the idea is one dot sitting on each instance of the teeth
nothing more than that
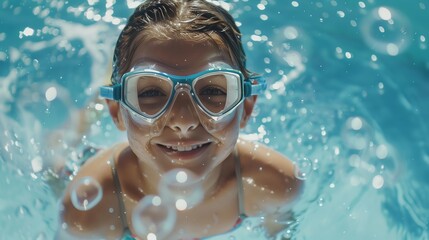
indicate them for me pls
(183, 148)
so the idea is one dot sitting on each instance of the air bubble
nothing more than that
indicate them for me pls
(86, 193)
(386, 31)
(153, 218)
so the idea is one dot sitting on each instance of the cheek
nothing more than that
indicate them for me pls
(134, 126)
(228, 135)
(233, 127)
(138, 134)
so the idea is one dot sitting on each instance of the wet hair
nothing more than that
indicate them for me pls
(195, 20)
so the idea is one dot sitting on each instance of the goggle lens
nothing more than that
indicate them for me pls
(217, 92)
(149, 93)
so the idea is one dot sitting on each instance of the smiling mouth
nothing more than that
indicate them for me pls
(184, 148)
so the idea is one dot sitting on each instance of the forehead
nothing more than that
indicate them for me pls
(178, 55)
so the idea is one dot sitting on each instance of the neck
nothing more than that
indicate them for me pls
(151, 179)
(209, 182)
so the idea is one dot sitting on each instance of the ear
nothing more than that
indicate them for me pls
(249, 103)
(115, 113)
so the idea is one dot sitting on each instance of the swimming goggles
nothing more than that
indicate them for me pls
(217, 91)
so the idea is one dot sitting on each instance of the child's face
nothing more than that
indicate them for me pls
(183, 141)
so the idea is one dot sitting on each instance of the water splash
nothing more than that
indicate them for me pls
(33, 207)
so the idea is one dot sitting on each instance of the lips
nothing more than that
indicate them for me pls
(184, 150)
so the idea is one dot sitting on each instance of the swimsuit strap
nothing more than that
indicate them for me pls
(119, 195)
(239, 184)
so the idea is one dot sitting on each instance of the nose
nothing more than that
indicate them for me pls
(183, 116)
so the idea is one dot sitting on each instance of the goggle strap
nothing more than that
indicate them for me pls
(255, 89)
(111, 92)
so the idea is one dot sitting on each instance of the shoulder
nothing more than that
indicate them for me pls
(99, 166)
(268, 176)
(96, 181)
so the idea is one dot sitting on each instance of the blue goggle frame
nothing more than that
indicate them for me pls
(253, 85)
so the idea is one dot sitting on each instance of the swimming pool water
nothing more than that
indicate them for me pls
(347, 103)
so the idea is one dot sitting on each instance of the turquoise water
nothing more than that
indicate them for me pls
(347, 102)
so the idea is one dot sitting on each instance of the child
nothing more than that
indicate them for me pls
(181, 91)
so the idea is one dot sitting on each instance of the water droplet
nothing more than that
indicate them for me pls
(40, 236)
(181, 204)
(36, 64)
(287, 234)
(378, 182)
(321, 201)
(182, 188)
(302, 168)
(356, 133)
(51, 94)
(248, 224)
(381, 152)
(22, 211)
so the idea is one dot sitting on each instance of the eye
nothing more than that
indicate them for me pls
(153, 92)
(212, 91)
